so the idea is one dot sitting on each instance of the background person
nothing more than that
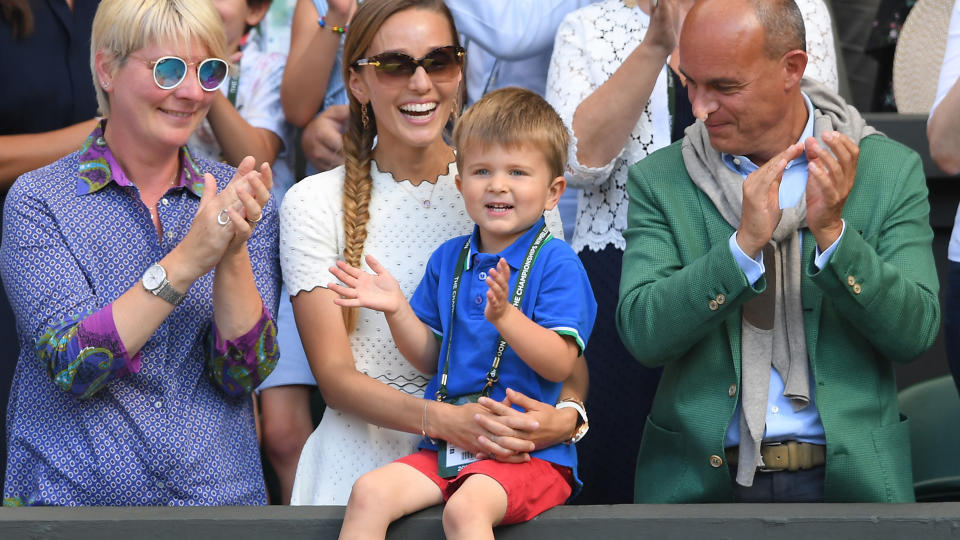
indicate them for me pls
(136, 361)
(44, 115)
(943, 131)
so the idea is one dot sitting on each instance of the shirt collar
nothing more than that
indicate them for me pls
(98, 167)
(742, 164)
(515, 252)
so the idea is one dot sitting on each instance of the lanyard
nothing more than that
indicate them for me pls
(232, 87)
(493, 375)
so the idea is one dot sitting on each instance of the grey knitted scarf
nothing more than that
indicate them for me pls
(772, 324)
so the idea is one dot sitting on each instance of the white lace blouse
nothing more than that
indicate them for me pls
(590, 46)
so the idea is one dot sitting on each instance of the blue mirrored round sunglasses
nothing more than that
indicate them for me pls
(170, 71)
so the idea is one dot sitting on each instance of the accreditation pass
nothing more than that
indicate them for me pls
(450, 459)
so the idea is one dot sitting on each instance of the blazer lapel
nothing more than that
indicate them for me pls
(811, 296)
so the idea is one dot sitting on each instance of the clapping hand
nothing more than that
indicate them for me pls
(224, 221)
(761, 201)
(378, 291)
(498, 302)
(828, 185)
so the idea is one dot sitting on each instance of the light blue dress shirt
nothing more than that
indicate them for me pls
(782, 423)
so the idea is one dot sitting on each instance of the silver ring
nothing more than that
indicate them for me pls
(223, 218)
(255, 221)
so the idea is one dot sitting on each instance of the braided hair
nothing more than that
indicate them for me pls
(359, 135)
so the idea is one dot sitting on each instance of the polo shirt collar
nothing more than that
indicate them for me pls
(515, 252)
(98, 168)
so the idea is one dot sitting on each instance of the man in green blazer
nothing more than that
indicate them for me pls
(778, 264)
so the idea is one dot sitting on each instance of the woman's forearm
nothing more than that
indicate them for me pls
(603, 122)
(347, 390)
(237, 304)
(22, 153)
(943, 132)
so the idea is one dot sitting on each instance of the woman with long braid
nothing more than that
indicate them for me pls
(396, 199)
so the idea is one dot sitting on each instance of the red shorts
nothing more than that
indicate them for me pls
(532, 487)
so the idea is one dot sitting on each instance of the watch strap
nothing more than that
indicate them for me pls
(168, 293)
(582, 423)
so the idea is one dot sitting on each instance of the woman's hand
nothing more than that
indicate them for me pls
(455, 424)
(509, 435)
(219, 226)
(379, 291)
(665, 21)
(245, 198)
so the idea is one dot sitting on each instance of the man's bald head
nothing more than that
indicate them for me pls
(780, 20)
(743, 61)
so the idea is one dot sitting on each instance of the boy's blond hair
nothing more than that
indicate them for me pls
(512, 117)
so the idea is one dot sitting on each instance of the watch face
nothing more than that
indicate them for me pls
(153, 277)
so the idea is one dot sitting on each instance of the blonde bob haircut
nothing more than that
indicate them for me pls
(121, 27)
(512, 117)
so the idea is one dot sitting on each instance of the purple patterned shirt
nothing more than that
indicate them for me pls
(87, 423)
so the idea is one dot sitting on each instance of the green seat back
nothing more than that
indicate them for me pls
(933, 408)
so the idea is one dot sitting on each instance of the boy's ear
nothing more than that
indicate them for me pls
(554, 190)
(256, 14)
(459, 183)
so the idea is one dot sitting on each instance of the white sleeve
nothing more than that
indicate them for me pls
(511, 29)
(821, 53)
(569, 82)
(259, 99)
(950, 69)
(311, 231)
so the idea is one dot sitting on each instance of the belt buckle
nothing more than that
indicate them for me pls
(766, 468)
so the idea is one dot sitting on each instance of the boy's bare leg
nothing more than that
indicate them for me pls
(473, 510)
(384, 495)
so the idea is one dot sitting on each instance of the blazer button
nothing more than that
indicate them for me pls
(713, 305)
(715, 461)
(732, 391)
(721, 299)
(851, 280)
(857, 288)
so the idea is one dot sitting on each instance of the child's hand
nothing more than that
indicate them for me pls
(498, 301)
(379, 291)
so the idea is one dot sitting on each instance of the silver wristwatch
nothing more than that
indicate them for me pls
(155, 281)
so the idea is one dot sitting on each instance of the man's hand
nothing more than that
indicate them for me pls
(761, 202)
(829, 184)
(322, 138)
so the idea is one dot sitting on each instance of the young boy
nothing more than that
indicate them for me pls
(509, 279)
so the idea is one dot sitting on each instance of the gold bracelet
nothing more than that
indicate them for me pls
(423, 423)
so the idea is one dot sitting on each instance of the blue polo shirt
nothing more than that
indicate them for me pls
(558, 297)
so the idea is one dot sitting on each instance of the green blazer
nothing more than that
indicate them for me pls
(875, 303)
